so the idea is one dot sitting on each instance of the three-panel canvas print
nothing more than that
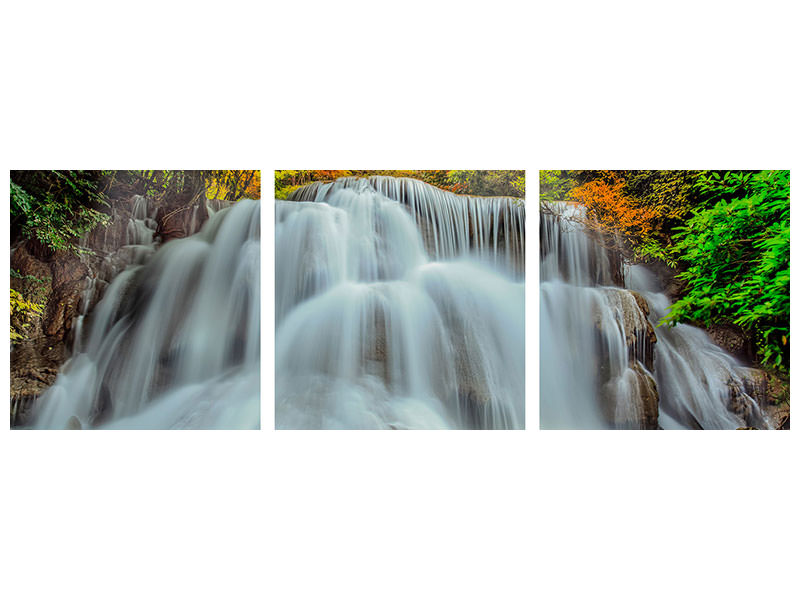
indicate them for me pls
(400, 299)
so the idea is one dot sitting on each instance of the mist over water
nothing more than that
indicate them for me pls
(175, 341)
(400, 306)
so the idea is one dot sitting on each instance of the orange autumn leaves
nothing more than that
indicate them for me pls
(605, 201)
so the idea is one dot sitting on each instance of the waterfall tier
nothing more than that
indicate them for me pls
(491, 229)
(174, 343)
(604, 361)
(398, 306)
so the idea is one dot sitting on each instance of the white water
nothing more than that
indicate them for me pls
(376, 330)
(175, 342)
(139, 246)
(594, 344)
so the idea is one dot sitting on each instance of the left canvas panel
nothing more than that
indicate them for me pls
(135, 299)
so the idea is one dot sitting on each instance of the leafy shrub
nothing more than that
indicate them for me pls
(55, 207)
(22, 311)
(736, 258)
(554, 186)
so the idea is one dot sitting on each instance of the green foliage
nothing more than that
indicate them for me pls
(55, 207)
(555, 186)
(726, 232)
(653, 248)
(735, 250)
(283, 193)
(35, 287)
(477, 183)
(232, 185)
(488, 183)
(669, 194)
(22, 311)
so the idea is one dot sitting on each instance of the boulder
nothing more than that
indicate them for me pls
(631, 400)
(632, 310)
(34, 368)
(768, 390)
(628, 393)
(733, 340)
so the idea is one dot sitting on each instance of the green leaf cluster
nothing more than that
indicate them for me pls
(22, 311)
(734, 251)
(555, 186)
(671, 194)
(55, 207)
(488, 183)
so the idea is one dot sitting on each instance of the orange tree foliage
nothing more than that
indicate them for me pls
(644, 206)
(232, 185)
(605, 200)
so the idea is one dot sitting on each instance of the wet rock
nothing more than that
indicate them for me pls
(745, 406)
(667, 276)
(67, 268)
(62, 309)
(56, 280)
(631, 311)
(756, 384)
(648, 398)
(641, 303)
(769, 391)
(733, 340)
(631, 400)
(34, 368)
(628, 392)
(180, 216)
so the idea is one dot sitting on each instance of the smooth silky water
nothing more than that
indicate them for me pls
(398, 306)
(588, 353)
(175, 341)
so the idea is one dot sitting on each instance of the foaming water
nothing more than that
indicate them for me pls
(604, 362)
(695, 376)
(175, 342)
(390, 314)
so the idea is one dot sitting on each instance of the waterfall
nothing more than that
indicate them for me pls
(400, 306)
(106, 262)
(604, 362)
(175, 341)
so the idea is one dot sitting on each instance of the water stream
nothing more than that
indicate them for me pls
(175, 341)
(398, 306)
(604, 363)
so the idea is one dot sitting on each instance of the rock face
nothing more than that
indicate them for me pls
(182, 215)
(54, 280)
(733, 340)
(68, 285)
(628, 391)
(34, 367)
(769, 391)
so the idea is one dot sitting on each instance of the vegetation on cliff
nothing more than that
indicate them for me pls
(51, 211)
(55, 207)
(726, 233)
(476, 183)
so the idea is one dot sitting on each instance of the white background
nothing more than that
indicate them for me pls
(360, 85)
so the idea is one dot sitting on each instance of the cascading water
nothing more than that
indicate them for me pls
(604, 361)
(106, 262)
(175, 342)
(398, 305)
